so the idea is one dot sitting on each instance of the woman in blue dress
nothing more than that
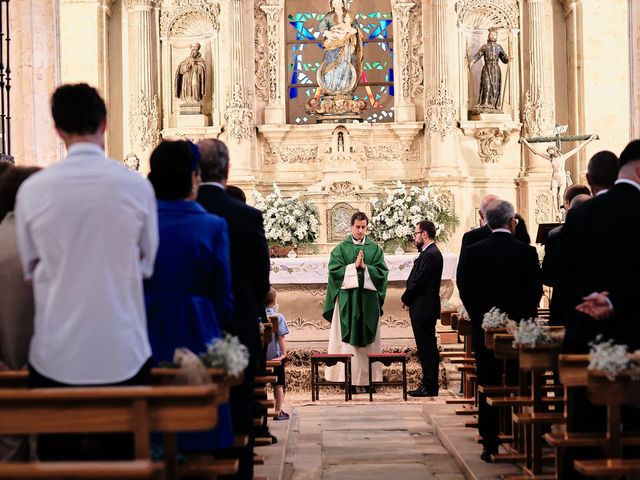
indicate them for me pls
(189, 294)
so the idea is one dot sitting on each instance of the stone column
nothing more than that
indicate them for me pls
(239, 116)
(143, 78)
(634, 41)
(275, 109)
(440, 111)
(35, 72)
(405, 109)
(538, 111)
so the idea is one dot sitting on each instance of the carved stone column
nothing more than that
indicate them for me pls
(275, 109)
(440, 110)
(238, 116)
(404, 107)
(538, 110)
(143, 58)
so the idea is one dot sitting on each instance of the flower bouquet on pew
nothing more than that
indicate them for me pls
(613, 359)
(494, 322)
(446, 310)
(227, 352)
(538, 343)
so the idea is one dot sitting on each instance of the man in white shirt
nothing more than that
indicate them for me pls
(87, 234)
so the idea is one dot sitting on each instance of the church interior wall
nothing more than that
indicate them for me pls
(588, 75)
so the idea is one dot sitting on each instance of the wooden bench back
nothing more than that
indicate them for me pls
(138, 410)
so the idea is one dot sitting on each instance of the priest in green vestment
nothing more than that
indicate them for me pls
(355, 294)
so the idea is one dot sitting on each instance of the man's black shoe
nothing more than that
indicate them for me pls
(487, 452)
(424, 392)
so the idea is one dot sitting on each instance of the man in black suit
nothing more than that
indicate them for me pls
(422, 299)
(250, 276)
(602, 295)
(475, 235)
(502, 272)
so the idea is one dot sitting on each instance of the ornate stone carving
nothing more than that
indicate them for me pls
(341, 189)
(440, 112)
(490, 143)
(261, 59)
(300, 323)
(416, 71)
(334, 105)
(205, 9)
(273, 42)
(339, 221)
(543, 207)
(401, 15)
(538, 114)
(482, 14)
(447, 200)
(143, 121)
(395, 322)
(290, 154)
(132, 162)
(380, 153)
(238, 116)
(142, 3)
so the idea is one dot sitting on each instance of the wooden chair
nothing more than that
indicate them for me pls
(330, 359)
(387, 359)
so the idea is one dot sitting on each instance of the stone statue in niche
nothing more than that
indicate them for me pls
(341, 66)
(190, 81)
(491, 95)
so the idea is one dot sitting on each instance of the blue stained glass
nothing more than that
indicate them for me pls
(293, 93)
(303, 33)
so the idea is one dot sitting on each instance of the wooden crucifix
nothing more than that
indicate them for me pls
(560, 178)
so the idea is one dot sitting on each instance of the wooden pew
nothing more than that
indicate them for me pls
(613, 394)
(137, 410)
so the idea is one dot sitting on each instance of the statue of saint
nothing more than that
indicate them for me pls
(190, 76)
(342, 63)
(491, 76)
(560, 177)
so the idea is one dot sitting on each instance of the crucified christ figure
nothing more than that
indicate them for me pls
(559, 172)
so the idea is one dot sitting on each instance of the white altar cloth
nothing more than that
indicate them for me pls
(315, 269)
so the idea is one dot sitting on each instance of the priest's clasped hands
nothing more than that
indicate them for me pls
(360, 260)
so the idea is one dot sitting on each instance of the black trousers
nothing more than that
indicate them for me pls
(110, 446)
(424, 332)
(489, 372)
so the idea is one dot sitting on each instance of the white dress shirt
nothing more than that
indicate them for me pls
(87, 232)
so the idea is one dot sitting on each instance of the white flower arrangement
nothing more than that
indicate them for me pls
(394, 217)
(463, 314)
(531, 333)
(495, 318)
(613, 359)
(227, 352)
(447, 306)
(288, 221)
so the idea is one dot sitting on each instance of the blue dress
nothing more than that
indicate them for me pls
(189, 296)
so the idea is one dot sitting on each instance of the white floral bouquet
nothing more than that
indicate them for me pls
(288, 221)
(613, 359)
(533, 332)
(462, 313)
(394, 217)
(495, 318)
(227, 352)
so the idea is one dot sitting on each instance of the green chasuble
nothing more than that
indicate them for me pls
(360, 308)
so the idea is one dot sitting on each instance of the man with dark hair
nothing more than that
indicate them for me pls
(601, 293)
(88, 234)
(422, 299)
(250, 276)
(602, 299)
(602, 171)
(501, 272)
(353, 304)
(572, 192)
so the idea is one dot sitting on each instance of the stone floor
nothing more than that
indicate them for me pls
(330, 439)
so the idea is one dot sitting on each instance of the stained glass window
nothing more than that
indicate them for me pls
(305, 53)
